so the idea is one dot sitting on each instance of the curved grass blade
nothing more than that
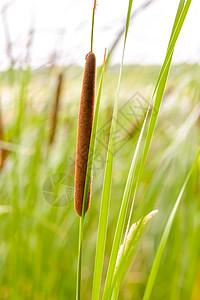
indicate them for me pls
(136, 13)
(121, 218)
(158, 98)
(103, 218)
(158, 93)
(179, 10)
(143, 6)
(168, 155)
(165, 235)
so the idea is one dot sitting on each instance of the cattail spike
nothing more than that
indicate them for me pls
(3, 152)
(85, 121)
(55, 107)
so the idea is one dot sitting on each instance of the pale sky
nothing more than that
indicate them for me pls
(65, 25)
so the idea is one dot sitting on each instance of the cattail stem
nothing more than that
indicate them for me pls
(78, 281)
(94, 8)
(55, 108)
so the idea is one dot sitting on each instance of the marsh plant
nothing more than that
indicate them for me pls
(120, 256)
(127, 228)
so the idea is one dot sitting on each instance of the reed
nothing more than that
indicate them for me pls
(4, 152)
(55, 108)
(37, 237)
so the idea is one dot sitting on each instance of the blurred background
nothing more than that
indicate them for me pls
(46, 31)
(42, 54)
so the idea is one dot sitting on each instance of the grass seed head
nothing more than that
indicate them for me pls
(131, 235)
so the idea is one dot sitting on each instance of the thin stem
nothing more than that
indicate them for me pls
(95, 2)
(78, 282)
(115, 292)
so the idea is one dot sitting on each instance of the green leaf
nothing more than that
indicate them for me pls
(130, 184)
(105, 200)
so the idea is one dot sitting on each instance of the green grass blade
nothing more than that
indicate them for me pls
(158, 93)
(169, 154)
(178, 14)
(178, 23)
(137, 12)
(121, 218)
(115, 292)
(158, 98)
(107, 182)
(165, 235)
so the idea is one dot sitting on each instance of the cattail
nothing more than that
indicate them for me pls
(55, 108)
(85, 121)
(4, 152)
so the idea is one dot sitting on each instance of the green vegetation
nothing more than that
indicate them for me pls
(38, 252)
(144, 155)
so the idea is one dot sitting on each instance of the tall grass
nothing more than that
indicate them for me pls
(156, 168)
(136, 167)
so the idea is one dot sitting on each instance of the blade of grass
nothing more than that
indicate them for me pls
(179, 10)
(159, 94)
(165, 235)
(121, 32)
(121, 218)
(136, 13)
(168, 156)
(105, 200)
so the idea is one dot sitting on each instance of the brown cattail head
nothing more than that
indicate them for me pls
(55, 107)
(85, 121)
(3, 152)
